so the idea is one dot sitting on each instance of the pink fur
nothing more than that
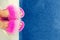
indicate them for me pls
(13, 15)
(11, 24)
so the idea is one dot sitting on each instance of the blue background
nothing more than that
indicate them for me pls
(42, 20)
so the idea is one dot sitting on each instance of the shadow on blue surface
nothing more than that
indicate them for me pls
(42, 20)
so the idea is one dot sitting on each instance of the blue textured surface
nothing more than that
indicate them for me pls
(42, 20)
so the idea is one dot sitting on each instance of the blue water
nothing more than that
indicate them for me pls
(42, 20)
